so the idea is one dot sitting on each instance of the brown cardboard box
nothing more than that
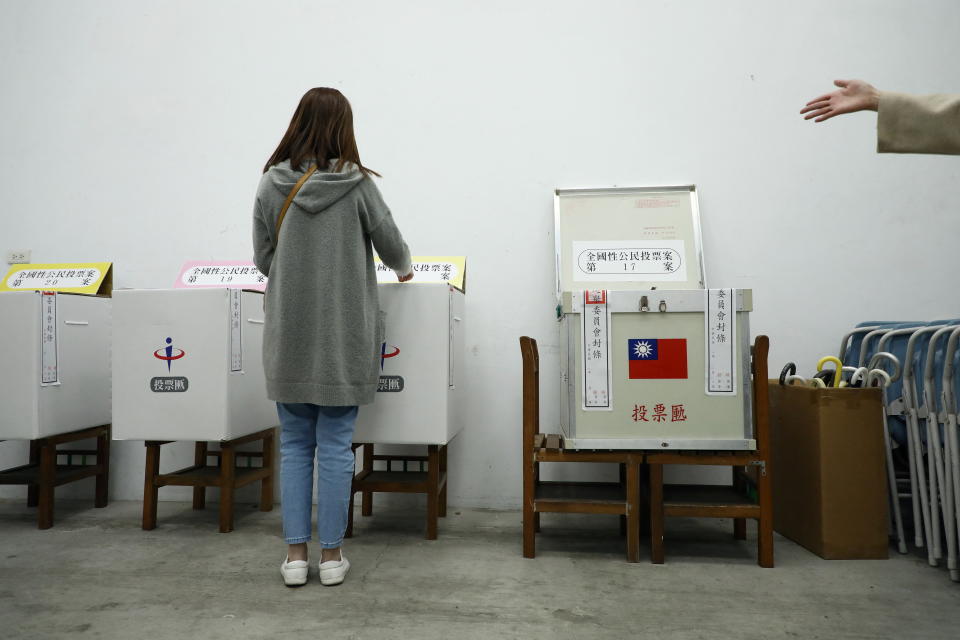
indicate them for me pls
(829, 470)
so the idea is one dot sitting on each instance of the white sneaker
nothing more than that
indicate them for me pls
(294, 573)
(333, 571)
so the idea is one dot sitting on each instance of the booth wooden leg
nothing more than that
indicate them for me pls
(228, 469)
(656, 513)
(48, 473)
(33, 490)
(433, 490)
(266, 485)
(102, 494)
(151, 470)
(349, 532)
(200, 459)
(445, 480)
(633, 512)
(366, 498)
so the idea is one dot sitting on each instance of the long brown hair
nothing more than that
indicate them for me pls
(321, 129)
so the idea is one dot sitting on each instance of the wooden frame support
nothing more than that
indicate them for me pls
(225, 474)
(43, 473)
(428, 477)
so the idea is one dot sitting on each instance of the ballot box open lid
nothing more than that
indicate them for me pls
(450, 270)
(622, 238)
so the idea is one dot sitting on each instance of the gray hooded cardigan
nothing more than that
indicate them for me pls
(323, 327)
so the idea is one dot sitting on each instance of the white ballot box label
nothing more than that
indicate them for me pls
(236, 337)
(49, 368)
(721, 331)
(203, 275)
(597, 366)
(629, 260)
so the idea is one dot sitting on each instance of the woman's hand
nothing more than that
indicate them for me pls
(854, 95)
(405, 278)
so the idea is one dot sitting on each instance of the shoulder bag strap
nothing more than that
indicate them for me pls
(286, 205)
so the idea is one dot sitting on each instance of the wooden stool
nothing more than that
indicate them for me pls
(226, 475)
(750, 469)
(431, 481)
(43, 474)
(540, 496)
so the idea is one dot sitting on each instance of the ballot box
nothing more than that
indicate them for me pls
(421, 393)
(55, 340)
(649, 357)
(187, 364)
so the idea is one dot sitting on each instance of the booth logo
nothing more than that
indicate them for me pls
(169, 353)
(395, 351)
(169, 384)
(389, 384)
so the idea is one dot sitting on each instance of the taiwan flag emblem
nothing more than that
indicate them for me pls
(657, 359)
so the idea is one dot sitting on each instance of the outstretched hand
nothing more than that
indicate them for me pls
(405, 278)
(854, 95)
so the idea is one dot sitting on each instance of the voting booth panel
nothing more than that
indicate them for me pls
(56, 372)
(420, 394)
(188, 365)
(649, 358)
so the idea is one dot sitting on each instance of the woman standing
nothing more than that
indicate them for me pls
(317, 218)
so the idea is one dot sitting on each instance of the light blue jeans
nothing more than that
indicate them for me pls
(308, 430)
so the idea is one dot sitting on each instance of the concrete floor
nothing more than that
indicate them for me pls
(97, 575)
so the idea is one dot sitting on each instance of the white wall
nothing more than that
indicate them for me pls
(135, 132)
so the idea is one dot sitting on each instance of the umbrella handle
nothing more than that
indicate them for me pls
(877, 374)
(789, 369)
(817, 383)
(838, 368)
(886, 355)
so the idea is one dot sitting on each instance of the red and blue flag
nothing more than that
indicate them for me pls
(657, 358)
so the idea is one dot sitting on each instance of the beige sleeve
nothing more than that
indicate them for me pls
(918, 124)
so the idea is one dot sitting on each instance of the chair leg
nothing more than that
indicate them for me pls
(740, 528)
(433, 490)
(656, 513)
(33, 490)
(266, 485)
(366, 497)
(150, 490)
(48, 478)
(633, 513)
(739, 524)
(765, 523)
(536, 514)
(200, 459)
(228, 469)
(102, 491)
(623, 484)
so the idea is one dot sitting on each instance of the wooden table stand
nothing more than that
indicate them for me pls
(432, 481)
(225, 474)
(42, 475)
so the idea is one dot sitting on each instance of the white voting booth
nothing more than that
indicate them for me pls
(187, 361)
(421, 392)
(649, 358)
(55, 323)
